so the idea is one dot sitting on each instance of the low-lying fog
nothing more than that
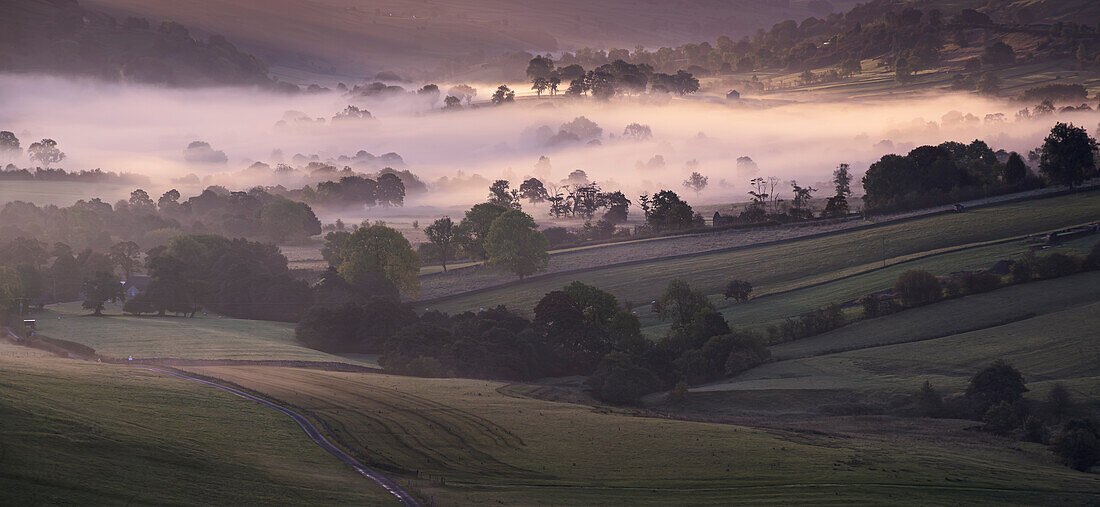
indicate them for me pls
(145, 130)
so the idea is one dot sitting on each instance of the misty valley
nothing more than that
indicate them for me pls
(462, 252)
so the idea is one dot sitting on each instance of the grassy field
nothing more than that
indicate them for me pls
(493, 446)
(1047, 330)
(200, 337)
(786, 266)
(76, 433)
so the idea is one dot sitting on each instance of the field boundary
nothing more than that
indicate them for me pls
(784, 241)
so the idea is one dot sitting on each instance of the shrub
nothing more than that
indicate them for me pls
(1056, 265)
(871, 305)
(738, 290)
(1078, 444)
(917, 287)
(977, 283)
(811, 323)
(1022, 271)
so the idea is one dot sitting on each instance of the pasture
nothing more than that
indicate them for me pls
(201, 337)
(1047, 330)
(800, 263)
(493, 445)
(81, 433)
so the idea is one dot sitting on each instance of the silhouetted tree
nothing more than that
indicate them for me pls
(1067, 155)
(442, 234)
(100, 289)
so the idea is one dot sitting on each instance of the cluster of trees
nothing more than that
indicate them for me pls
(952, 171)
(616, 77)
(995, 396)
(11, 172)
(38, 273)
(356, 191)
(94, 223)
(579, 329)
(233, 277)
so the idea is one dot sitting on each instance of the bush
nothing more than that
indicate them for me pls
(917, 287)
(738, 290)
(977, 283)
(1078, 444)
(812, 323)
(1056, 265)
(1022, 271)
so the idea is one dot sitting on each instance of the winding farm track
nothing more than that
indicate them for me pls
(314, 434)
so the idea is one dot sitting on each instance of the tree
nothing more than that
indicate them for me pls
(45, 152)
(442, 234)
(998, 53)
(391, 190)
(501, 195)
(540, 67)
(681, 302)
(918, 287)
(738, 290)
(515, 243)
(380, 251)
(1015, 170)
(282, 219)
(619, 378)
(800, 203)
(503, 95)
(842, 180)
(533, 190)
(125, 255)
(452, 102)
(540, 85)
(637, 132)
(696, 182)
(100, 289)
(475, 226)
(996, 383)
(1078, 444)
(464, 92)
(1067, 155)
(667, 211)
(9, 144)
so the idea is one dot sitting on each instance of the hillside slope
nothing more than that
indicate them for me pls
(344, 36)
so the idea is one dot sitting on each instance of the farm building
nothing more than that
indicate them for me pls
(136, 285)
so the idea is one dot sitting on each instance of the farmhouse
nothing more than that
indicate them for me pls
(135, 285)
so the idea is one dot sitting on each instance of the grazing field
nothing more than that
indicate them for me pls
(1054, 345)
(772, 309)
(200, 337)
(492, 446)
(794, 264)
(953, 316)
(77, 433)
